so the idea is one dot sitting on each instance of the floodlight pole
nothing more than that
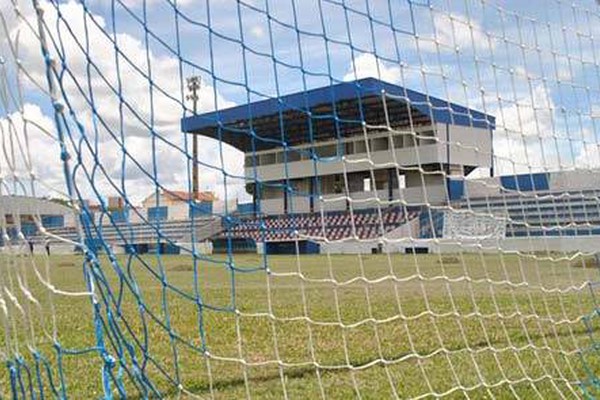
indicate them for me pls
(193, 86)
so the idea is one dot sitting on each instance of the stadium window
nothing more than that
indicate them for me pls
(329, 150)
(293, 156)
(397, 141)
(158, 213)
(268, 158)
(349, 148)
(279, 157)
(337, 184)
(249, 161)
(360, 147)
(305, 154)
(366, 184)
(271, 192)
(379, 144)
(425, 138)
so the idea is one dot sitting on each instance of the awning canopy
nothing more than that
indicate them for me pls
(329, 112)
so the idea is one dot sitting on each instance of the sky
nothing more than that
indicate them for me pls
(120, 69)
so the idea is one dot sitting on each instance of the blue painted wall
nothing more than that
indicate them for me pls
(120, 215)
(245, 208)
(53, 221)
(312, 247)
(29, 229)
(456, 188)
(525, 182)
(158, 213)
(201, 209)
(289, 247)
(169, 248)
(237, 245)
(94, 244)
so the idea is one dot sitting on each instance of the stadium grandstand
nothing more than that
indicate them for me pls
(320, 183)
(365, 154)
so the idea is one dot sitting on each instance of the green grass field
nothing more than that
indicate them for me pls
(495, 340)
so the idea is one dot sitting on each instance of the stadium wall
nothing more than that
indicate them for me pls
(465, 144)
(205, 247)
(434, 193)
(23, 205)
(576, 180)
(579, 244)
(568, 244)
(348, 247)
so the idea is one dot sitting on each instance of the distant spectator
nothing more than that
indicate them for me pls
(47, 246)
(30, 243)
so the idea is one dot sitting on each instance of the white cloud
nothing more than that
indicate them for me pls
(145, 105)
(528, 136)
(595, 111)
(367, 65)
(140, 3)
(257, 31)
(27, 145)
(452, 31)
(531, 114)
(514, 155)
(588, 156)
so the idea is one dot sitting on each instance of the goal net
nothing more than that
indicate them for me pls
(471, 226)
(299, 199)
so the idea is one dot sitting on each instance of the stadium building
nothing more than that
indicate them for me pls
(367, 155)
(23, 217)
(164, 223)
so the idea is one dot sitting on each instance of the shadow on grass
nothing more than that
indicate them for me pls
(231, 383)
(302, 372)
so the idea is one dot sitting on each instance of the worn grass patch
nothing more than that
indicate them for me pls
(586, 262)
(449, 259)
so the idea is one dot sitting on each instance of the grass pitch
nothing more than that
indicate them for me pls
(343, 326)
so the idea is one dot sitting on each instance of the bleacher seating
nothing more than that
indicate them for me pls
(525, 215)
(363, 224)
(543, 214)
(119, 234)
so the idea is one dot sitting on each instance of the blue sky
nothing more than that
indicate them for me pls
(534, 65)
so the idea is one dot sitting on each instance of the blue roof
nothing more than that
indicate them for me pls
(236, 121)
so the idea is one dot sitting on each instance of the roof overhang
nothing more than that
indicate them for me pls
(329, 112)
